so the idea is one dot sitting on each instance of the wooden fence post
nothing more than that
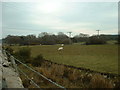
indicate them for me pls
(4, 53)
(14, 64)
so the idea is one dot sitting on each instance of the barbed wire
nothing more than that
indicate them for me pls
(36, 72)
(39, 74)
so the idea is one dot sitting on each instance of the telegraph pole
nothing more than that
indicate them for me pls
(70, 34)
(98, 33)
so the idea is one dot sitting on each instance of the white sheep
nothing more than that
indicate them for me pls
(62, 44)
(60, 48)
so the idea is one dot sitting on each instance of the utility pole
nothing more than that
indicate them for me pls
(98, 32)
(69, 34)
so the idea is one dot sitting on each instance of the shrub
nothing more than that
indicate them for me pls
(9, 49)
(23, 54)
(37, 61)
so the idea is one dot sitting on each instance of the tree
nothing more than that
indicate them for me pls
(60, 37)
(95, 40)
(31, 39)
(67, 41)
(61, 33)
(13, 39)
(80, 38)
(42, 34)
(48, 40)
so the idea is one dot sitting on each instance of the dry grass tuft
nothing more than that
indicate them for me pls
(99, 81)
(74, 75)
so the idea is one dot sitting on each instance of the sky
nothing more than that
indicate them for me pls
(23, 18)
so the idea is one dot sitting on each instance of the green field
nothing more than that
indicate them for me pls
(103, 58)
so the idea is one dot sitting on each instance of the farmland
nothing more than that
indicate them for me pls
(103, 58)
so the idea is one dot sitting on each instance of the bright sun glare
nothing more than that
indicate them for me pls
(50, 7)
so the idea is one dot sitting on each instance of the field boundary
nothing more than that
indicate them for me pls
(17, 69)
(111, 75)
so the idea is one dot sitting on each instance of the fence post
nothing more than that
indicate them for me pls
(14, 64)
(4, 53)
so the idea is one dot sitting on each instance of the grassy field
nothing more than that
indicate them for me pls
(103, 58)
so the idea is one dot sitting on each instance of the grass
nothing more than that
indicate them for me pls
(103, 58)
(111, 41)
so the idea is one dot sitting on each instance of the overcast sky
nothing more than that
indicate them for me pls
(22, 18)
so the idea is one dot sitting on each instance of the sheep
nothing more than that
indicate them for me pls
(60, 48)
(62, 44)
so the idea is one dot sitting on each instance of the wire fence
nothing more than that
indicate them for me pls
(29, 78)
(38, 73)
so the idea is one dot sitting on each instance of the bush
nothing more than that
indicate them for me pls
(9, 50)
(23, 54)
(37, 61)
(95, 40)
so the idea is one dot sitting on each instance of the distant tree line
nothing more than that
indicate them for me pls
(45, 38)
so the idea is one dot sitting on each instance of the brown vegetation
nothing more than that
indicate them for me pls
(68, 77)
(99, 81)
